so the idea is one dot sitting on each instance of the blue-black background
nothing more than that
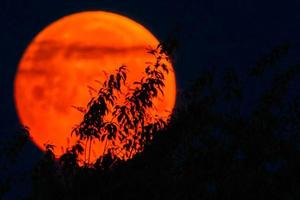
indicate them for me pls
(210, 33)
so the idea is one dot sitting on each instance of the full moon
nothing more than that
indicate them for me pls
(70, 56)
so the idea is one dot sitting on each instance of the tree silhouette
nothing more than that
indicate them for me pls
(215, 145)
(124, 127)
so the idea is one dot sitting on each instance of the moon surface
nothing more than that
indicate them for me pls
(66, 58)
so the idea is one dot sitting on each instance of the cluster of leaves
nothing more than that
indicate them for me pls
(124, 125)
(211, 149)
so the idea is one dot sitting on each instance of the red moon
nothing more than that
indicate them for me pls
(65, 58)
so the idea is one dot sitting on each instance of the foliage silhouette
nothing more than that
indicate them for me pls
(125, 127)
(215, 146)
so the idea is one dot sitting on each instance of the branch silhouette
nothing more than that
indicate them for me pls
(208, 149)
(124, 128)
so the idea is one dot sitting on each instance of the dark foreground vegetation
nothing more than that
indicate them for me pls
(220, 143)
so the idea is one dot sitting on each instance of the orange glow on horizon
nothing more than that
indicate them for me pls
(67, 57)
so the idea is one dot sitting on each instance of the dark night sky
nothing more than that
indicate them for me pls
(211, 33)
